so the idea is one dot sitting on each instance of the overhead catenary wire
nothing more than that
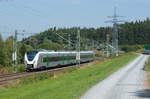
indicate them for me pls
(32, 9)
(25, 12)
(28, 9)
(64, 39)
(3, 12)
(24, 34)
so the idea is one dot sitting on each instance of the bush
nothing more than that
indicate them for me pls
(21, 68)
(35, 78)
(6, 70)
(131, 48)
(10, 69)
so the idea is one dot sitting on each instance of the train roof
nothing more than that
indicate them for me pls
(51, 51)
(69, 52)
(42, 50)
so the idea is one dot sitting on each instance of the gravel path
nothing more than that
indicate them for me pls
(126, 83)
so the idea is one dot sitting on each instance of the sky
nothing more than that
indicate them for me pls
(35, 16)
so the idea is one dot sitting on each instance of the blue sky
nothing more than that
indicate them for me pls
(39, 15)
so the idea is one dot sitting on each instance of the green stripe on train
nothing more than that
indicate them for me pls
(68, 59)
(47, 60)
(63, 59)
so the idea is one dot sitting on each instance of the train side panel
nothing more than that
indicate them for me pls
(52, 60)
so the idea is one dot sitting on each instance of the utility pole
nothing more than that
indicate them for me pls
(78, 48)
(86, 46)
(107, 45)
(115, 21)
(15, 52)
(69, 43)
(93, 45)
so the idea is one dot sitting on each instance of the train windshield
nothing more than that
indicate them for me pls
(31, 55)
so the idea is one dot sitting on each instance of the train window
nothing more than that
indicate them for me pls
(44, 59)
(31, 55)
(86, 56)
(72, 57)
(55, 59)
(65, 57)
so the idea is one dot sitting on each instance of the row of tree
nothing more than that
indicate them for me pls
(130, 33)
(135, 33)
(6, 50)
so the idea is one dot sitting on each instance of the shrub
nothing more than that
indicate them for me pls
(131, 48)
(21, 68)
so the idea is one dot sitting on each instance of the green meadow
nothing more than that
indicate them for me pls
(70, 85)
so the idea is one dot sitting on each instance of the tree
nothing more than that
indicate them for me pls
(23, 48)
(130, 33)
(49, 45)
(1, 51)
(8, 50)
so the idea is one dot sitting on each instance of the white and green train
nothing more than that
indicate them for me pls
(37, 59)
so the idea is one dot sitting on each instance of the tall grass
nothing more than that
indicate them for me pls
(10, 69)
(147, 65)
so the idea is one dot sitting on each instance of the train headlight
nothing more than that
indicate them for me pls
(25, 62)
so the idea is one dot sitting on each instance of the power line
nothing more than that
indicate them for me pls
(15, 47)
(25, 13)
(20, 33)
(18, 8)
(2, 12)
(65, 39)
(5, 0)
(34, 12)
(23, 34)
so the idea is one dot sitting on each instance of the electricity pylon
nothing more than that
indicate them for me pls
(115, 22)
(107, 45)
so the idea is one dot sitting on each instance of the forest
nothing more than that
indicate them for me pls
(135, 33)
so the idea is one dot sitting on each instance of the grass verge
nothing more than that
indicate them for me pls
(147, 69)
(67, 86)
(147, 65)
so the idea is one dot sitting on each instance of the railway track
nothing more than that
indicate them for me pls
(9, 77)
